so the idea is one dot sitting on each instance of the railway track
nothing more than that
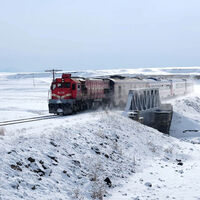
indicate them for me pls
(26, 120)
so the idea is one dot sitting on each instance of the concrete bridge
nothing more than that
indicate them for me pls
(145, 106)
(143, 99)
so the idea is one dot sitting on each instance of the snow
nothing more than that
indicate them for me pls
(70, 157)
(92, 73)
(77, 144)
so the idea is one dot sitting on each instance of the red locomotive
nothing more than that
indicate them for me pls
(75, 94)
(70, 94)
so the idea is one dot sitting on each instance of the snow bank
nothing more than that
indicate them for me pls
(186, 122)
(74, 159)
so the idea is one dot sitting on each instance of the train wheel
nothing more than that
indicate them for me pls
(74, 109)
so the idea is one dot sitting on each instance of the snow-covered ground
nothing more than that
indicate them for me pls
(94, 73)
(71, 157)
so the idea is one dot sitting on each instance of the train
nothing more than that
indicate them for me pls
(73, 94)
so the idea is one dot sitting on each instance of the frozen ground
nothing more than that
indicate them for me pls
(23, 96)
(70, 158)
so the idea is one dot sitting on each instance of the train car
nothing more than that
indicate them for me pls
(75, 94)
(182, 87)
(120, 88)
(164, 86)
(167, 88)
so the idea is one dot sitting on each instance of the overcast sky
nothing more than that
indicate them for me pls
(98, 34)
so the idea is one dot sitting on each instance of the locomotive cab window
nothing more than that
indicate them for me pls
(73, 86)
(66, 85)
(53, 86)
(59, 85)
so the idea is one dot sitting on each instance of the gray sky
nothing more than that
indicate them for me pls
(98, 34)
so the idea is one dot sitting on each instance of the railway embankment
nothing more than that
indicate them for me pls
(77, 155)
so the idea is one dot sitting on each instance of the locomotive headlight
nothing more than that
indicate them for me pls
(59, 110)
(58, 101)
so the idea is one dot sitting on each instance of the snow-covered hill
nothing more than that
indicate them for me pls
(71, 157)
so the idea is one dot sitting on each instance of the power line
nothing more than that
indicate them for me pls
(53, 71)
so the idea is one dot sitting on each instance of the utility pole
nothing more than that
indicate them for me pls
(53, 71)
(33, 80)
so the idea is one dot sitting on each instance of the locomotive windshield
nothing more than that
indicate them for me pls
(61, 85)
(66, 85)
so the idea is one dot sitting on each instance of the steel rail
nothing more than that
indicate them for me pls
(25, 120)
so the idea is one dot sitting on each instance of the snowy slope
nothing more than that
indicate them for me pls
(55, 159)
(186, 122)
